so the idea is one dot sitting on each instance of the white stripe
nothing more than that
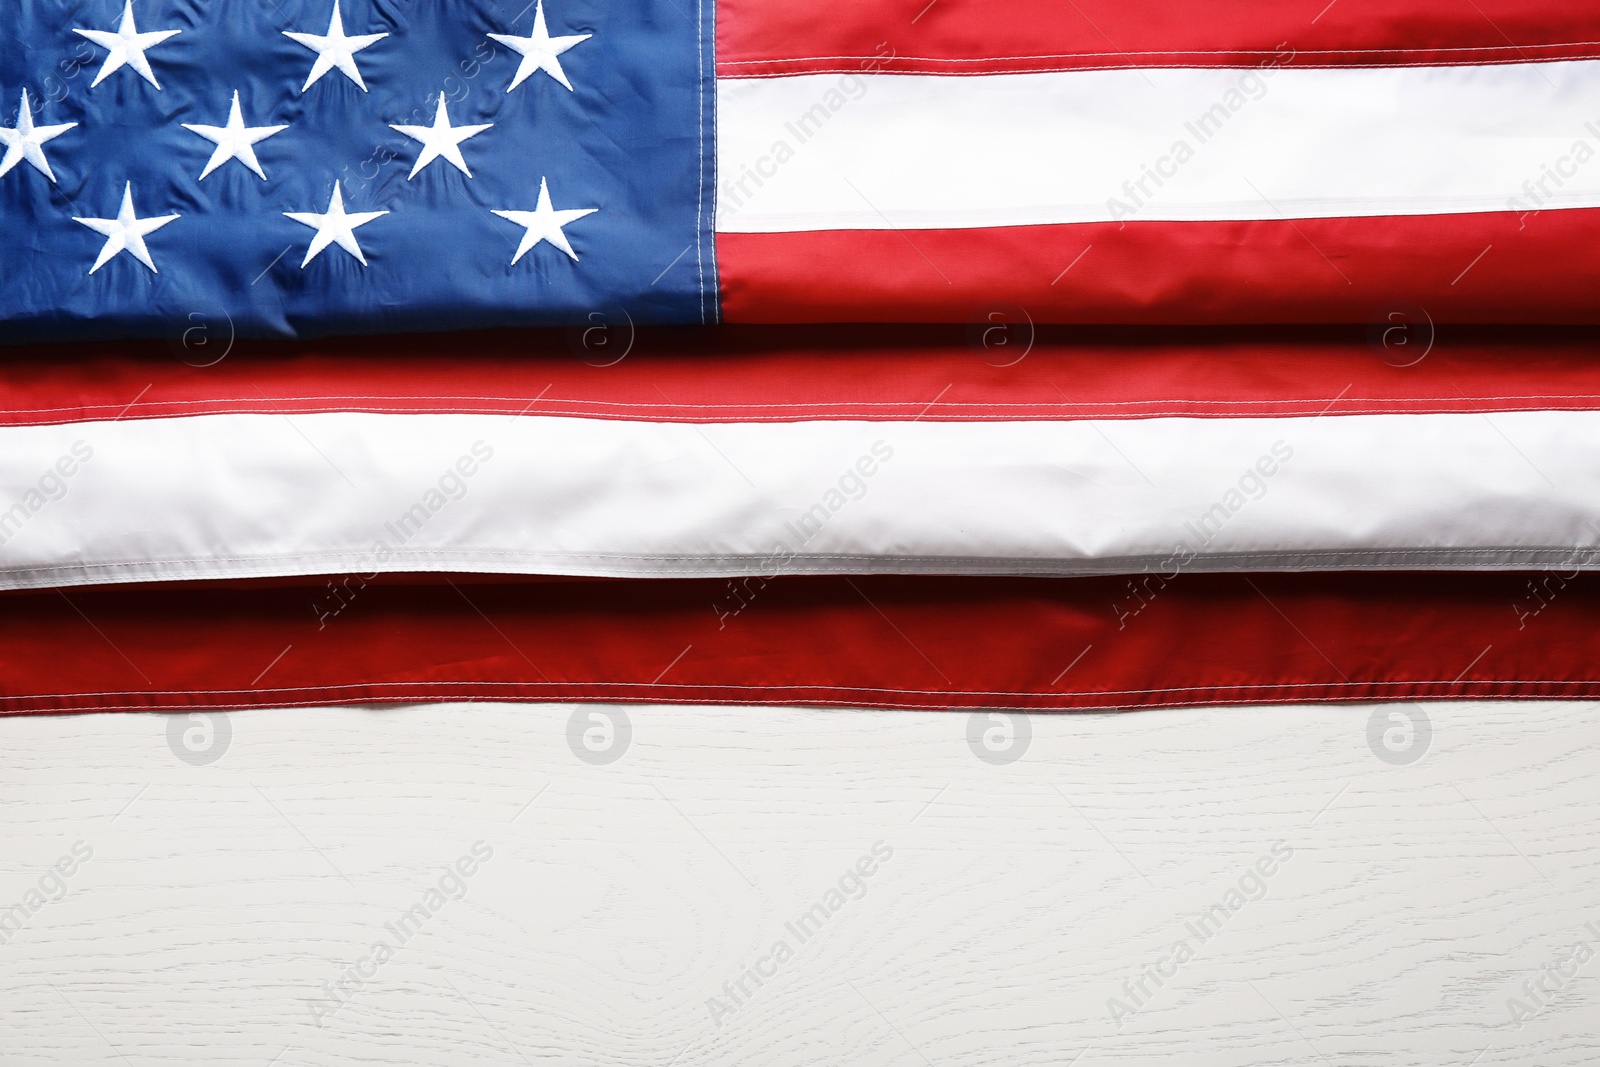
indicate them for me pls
(241, 495)
(876, 151)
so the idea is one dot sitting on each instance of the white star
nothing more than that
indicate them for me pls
(334, 49)
(24, 140)
(127, 47)
(334, 225)
(126, 232)
(539, 50)
(441, 140)
(544, 224)
(234, 141)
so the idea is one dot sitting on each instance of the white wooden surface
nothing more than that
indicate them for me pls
(619, 898)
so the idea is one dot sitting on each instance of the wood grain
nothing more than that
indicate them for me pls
(620, 898)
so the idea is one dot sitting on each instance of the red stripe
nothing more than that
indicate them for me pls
(767, 38)
(1479, 268)
(877, 641)
(1000, 369)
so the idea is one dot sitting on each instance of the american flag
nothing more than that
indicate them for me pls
(951, 354)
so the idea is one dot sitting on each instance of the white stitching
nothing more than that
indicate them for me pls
(825, 564)
(1185, 52)
(710, 160)
(1217, 699)
(249, 406)
(826, 688)
(1127, 66)
(700, 152)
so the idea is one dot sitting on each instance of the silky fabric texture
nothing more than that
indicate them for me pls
(773, 38)
(1500, 267)
(906, 151)
(926, 373)
(218, 496)
(866, 641)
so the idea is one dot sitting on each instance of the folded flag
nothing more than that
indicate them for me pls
(896, 641)
(910, 353)
(845, 450)
(883, 516)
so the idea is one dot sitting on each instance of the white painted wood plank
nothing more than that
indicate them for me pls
(619, 898)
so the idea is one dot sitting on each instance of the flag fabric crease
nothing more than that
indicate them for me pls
(915, 356)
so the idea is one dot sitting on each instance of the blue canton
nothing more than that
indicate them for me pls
(311, 167)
